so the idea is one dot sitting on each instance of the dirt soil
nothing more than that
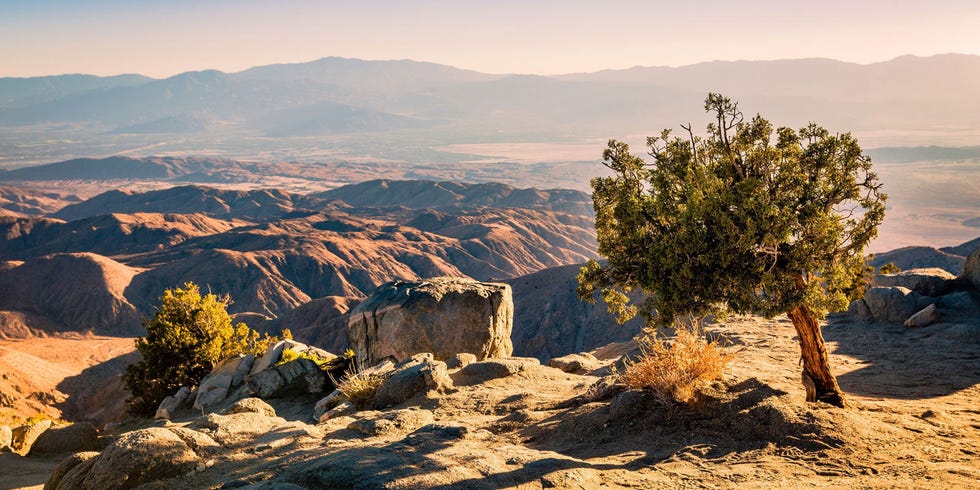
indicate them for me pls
(914, 423)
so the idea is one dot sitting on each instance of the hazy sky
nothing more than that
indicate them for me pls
(162, 38)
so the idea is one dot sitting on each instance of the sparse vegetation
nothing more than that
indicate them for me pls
(291, 355)
(749, 219)
(359, 388)
(675, 370)
(889, 268)
(185, 339)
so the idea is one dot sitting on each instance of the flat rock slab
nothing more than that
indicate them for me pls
(483, 371)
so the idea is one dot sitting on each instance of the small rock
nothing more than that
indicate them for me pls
(170, 404)
(345, 408)
(460, 360)
(480, 372)
(327, 403)
(926, 316)
(71, 439)
(378, 423)
(251, 405)
(25, 435)
(575, 363)
(416, 375)
(859, 309)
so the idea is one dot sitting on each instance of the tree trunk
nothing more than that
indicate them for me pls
(820, 382)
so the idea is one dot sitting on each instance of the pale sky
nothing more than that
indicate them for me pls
(163, 38)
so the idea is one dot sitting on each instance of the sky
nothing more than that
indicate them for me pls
(163, 38)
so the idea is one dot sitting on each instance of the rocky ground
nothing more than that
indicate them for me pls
(914, 422)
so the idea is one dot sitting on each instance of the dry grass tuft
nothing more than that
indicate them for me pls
(675, 370)
(360, 388)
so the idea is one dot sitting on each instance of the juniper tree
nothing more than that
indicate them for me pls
(186, 338)
(747, 218)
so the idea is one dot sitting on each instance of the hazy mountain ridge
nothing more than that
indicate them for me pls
(336, 96)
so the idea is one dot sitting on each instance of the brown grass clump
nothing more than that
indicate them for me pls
(360, 388)
(675, 370)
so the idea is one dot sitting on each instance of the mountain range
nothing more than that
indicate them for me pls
(418, 105)
(271, 251)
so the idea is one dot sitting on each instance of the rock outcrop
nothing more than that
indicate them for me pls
(927, 282)
(971, 269)
(296, 377)
(443, 316)
(135, 458)
(226, 376)
(81, 436)
(415, 375)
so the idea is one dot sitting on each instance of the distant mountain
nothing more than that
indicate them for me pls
(113, 168)
(185, 199)
(950, 259)
(19, 92)
(425, 194)
(345, 96)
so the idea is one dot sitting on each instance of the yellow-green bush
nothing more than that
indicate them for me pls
(185, 339)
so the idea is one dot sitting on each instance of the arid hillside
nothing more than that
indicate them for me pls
(99, 265)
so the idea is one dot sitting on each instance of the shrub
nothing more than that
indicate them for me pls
(889, 268)
(359, 388)
(291, 355)
(187, 336)
(675, 370)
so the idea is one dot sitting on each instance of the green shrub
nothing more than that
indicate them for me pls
(185, 339)
(889, 268)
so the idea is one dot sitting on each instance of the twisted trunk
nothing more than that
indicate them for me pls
(820, 383)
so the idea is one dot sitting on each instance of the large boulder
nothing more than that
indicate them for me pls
(296, 377)
(927, 282)
(971, 269)
(135, 458)
(70, 439)
(443, 315)
(65, 466)
(215, 386)
(892, 304)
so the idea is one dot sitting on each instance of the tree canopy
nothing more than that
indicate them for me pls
(748, 218)
(187, 336)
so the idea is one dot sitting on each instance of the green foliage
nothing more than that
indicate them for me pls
(185, 339)
(291, 355)
(889, 268)
(748, 218)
